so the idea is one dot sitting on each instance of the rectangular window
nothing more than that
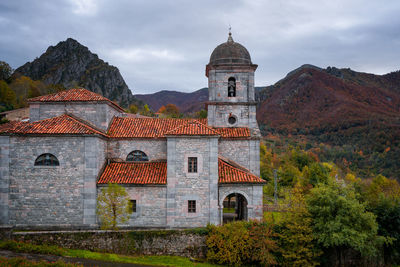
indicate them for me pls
(133, 204)
(192, 206)
(192, 164)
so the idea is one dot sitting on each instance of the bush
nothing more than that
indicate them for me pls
(239, 243)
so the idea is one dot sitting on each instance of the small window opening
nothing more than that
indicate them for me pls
(231, 87)
(133, 205)
(192, 206)
(137, 155)
(232, 120)
(192, 164)
(47, 160)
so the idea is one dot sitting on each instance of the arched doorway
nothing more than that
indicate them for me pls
(234, 208)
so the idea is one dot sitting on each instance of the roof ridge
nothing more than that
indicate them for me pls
(191, 121)
(65, 93)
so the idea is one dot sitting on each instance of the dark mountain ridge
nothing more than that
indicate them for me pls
(72, 65)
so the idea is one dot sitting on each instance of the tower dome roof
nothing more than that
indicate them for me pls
(230, 52)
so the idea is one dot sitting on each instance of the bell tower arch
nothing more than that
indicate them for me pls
(230, 75)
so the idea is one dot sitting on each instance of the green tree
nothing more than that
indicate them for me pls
(296, 235)
(7, 96)
(146, 111)
(387, 214)
(341, 222)
(133, 109)
(113, 206)
(202, 114)
(5, 71)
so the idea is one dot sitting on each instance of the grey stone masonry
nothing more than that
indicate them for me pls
(218, 84)
(155, 149)
(244, 152)
(61, 195)
(4, 179)
(99, 114)
(252, 193)
(151, 206)
(200, 186)
(95, 149)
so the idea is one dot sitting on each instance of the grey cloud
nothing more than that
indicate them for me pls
(166, 44)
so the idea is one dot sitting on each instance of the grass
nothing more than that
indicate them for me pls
(77, 253)
(28, 263)
(229, 210)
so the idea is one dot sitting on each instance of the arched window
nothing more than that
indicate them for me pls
(231, 87)
(47, 160)
(137, 155)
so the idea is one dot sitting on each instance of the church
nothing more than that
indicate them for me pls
(178, 173)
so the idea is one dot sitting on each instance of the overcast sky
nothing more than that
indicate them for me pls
(165, 45)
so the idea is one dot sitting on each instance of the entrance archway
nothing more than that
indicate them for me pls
(234, 208)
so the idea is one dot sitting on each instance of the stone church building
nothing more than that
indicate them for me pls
(177, 172)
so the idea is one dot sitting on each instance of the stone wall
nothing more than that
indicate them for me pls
(97, 113)
(218, 85)
(61, 196)
(4, 179)
(201, 186)
(253, 195)
(151, 204)
(244, 152)
(154, 148)
(178, 243)
(218, 115)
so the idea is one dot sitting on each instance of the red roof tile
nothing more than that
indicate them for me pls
(229, 174)
(135, 173)
(192, 128)
(232, 132)
(9, 126)
(64, 124)
(123, 127)
(156, 173)
(74, 95)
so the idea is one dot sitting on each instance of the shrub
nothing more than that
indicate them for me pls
(239, 243)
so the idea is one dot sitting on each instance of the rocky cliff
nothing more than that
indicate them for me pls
(73, 65)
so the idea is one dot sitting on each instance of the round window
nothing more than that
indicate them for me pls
(232, 120)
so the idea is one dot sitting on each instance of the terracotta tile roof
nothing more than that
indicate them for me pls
(9, 126)
(231, 132)
(229, 174)
(74, 95)
(156, 173)
(192, 128)
(134, 173)
(123, 127)
(64, 124)
(143, 127)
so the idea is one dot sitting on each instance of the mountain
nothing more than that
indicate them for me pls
(330, 99)
(356, 113)
(71, 64)
(186, 102)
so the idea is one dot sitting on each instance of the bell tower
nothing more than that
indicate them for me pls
(230, 75)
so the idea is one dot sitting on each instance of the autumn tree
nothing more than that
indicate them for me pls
(113, 206)
(296, 235)
(133, 109)
(170, 111)
(145, 111)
